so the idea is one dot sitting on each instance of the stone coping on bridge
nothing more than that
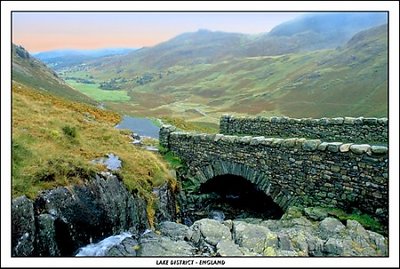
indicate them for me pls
(348, 129)
(299, 143)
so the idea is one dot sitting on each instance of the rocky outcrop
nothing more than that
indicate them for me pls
(152, 244)
(61, 220)
(255, 238)
(175, 231)
(292, 235)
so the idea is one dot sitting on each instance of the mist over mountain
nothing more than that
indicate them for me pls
(334, 23)
(328, 30)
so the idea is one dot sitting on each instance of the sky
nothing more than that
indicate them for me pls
(43, 31)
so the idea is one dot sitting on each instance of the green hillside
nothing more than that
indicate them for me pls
(199, 76)
(32, 72)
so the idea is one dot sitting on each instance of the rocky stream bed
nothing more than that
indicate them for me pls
(76, 221)
(294, 234)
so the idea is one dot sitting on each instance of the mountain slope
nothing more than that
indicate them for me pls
(32, 72)
(201, 85)
(348, 81)
(313, 32)
(187, 49)
(307, 33)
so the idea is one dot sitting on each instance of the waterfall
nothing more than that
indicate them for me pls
(100, 248)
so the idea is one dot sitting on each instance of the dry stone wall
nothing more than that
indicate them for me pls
(345, 129)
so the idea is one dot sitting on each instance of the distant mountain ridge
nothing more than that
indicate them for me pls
(58, 59)
(87, 52)
(307, 33)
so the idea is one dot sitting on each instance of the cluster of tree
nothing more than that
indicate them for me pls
(110, 85)
(145, 78)
(148, 77)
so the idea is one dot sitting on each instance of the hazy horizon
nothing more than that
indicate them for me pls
(45, 31)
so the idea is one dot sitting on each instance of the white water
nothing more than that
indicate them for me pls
(100, 248)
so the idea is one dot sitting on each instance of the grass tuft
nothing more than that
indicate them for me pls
(69, 131)
(367, 221)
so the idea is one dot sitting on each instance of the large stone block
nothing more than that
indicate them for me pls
(360, 148)
(311, 145)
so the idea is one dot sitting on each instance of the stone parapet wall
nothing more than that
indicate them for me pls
(346, 129)
(294, 171)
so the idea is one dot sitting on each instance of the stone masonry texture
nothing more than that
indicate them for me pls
(347, 129)
(293, 171)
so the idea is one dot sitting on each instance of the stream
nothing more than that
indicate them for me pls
(142, 126)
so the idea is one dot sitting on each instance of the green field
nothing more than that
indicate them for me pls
(93, 91)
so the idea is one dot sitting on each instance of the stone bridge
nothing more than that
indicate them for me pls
(292, 171)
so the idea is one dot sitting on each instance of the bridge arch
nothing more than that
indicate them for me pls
(260, 179)
(293, 171)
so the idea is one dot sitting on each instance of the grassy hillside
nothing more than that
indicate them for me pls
(30, 71)
(54, 141)
(200, 76)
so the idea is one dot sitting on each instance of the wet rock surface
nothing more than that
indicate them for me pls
(126, 248)
(61, 220)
